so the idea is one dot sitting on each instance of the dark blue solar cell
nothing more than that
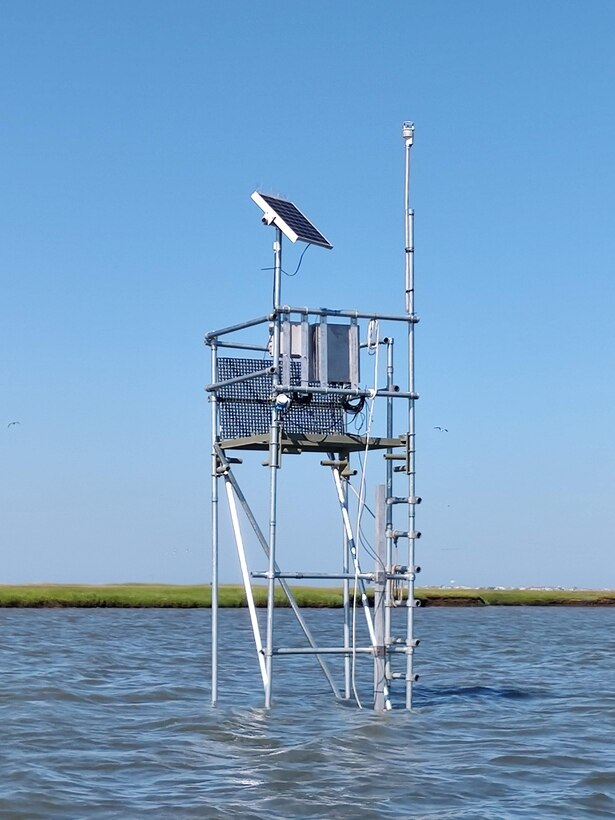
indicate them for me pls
(296, 221)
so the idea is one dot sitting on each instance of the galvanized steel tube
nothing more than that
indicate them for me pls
(214, 532)
(408, 134)
(274, 454)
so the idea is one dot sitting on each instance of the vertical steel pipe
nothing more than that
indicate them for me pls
(408, 135)
(346, 587)
(380, 584)
(214, 530)
(274, 456)
(388, 598)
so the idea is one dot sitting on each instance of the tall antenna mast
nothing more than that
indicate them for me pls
(408, 136)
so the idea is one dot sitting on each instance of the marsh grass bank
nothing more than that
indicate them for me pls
(199, 595)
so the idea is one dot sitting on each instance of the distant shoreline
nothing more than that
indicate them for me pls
(233, 596)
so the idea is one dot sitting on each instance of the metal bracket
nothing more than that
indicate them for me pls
(341, 465)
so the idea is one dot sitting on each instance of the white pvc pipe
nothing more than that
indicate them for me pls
(246, 580)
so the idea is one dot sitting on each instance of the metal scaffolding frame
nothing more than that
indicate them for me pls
(272, 406)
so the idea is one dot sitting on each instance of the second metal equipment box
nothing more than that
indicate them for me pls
(334, 354)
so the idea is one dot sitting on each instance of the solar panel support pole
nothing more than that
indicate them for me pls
(274, 455)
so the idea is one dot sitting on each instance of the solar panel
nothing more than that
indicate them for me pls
(289, 219)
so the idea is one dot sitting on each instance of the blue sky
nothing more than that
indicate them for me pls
(131, 137)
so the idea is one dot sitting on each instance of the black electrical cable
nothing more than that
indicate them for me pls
(296, 271)
(354, 407)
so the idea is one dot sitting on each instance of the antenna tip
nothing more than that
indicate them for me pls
(407, 131)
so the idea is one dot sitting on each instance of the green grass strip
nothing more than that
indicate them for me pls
(199, 595)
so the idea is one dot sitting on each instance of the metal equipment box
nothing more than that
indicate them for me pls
(334, 354)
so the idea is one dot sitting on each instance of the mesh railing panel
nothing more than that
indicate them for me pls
(245, 407)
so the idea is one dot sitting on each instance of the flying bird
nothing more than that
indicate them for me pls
(441, 429)
(11, 423)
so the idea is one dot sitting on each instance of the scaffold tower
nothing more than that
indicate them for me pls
(298, 395)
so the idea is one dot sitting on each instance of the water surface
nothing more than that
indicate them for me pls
(105, 713)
